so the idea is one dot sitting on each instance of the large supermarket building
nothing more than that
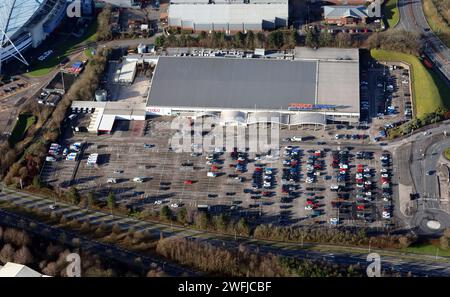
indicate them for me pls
(313, 87)
(316, 87)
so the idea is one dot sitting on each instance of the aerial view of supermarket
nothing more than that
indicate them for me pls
(328, 166)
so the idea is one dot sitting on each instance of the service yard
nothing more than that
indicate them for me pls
(311, 182)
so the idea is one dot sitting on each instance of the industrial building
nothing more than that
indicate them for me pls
(228, 15)
(313, 87)
(26, 23)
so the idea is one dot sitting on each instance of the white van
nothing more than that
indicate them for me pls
(138, 179)
(211, 174)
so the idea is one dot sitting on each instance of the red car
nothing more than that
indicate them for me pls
(232, 165)
(188, 182)
(360, 207)
(258, 169)
(266, 193)
(214, 168)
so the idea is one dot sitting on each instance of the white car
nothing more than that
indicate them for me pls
(158, 202)
(308, 207)
(174, 205)
(386, 215)
(50, 159)
(334, 221)
(138, 179)
(111, 181)
(52, 206)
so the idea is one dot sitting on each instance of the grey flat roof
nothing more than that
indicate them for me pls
(232, 83)
(327, 53)
(338, 84)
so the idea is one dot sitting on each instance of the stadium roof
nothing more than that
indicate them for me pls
(250, 84)
(14, 14)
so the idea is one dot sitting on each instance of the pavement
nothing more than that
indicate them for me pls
(412, 18)
(420, 265)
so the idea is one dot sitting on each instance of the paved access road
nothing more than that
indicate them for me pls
(420, 265)
(412, 18)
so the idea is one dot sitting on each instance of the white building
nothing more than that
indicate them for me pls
(18, 270)
(228, 15)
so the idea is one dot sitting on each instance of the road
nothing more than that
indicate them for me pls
(421, 265)
(415, 156)
(412, 18)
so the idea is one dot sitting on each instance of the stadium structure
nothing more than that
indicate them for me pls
(26, 23)
(315, 87)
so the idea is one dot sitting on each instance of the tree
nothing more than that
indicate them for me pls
(203, 35)
(239, 39)
(182, 215)
(202, 220)
(74, 195)
(261, 39)
(311, 37)
(325, 38)
(343, 39)
(37, 182)
(250, 40)
(165, 213)
(276, 39)
(90, 200)
(160, 41)
(292, 38)
(111, 201)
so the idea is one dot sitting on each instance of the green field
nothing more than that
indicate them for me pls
(447, 153)
(24, 122)
(429, 91)
(62, 49)
(436, 21)
(392, 13)
(427, 249)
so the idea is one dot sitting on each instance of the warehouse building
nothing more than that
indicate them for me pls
(317, 87)
(228, 15)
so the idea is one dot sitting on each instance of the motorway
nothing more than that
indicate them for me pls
(420, 265)
(412, 18)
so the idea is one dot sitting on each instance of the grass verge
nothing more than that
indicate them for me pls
(436, 21)
(427, 249)
(24, 122)
(429, 91)
(447, 153)
(392, 13)
(63, 48)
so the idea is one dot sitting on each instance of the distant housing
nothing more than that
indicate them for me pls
(345, 15)
(228, 15)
